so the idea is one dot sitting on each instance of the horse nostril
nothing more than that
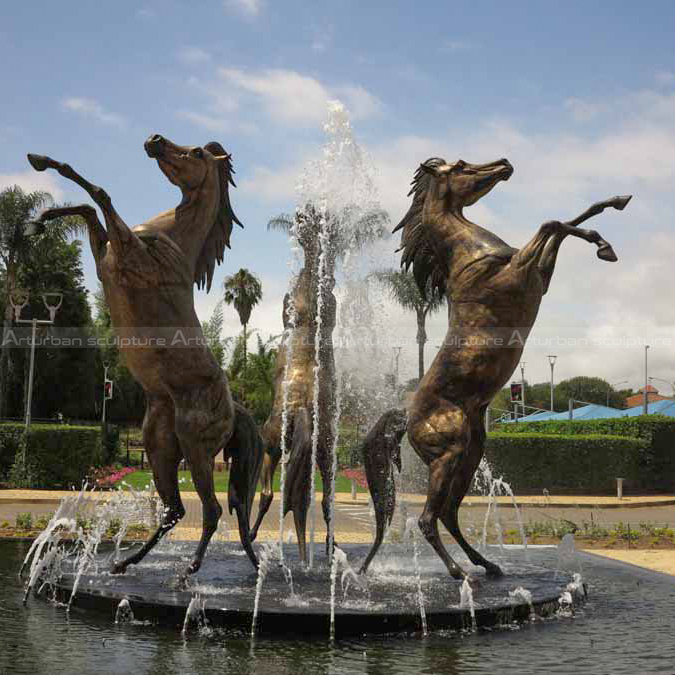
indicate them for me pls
(154, 145)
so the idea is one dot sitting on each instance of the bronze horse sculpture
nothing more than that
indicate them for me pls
(148, 274)
(381, 452)
(494, 292)
(294, 388)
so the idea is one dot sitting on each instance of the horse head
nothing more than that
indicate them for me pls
(204, 217)
(462, 184)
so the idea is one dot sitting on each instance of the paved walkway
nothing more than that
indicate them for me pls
(354, 519)
(659, 561)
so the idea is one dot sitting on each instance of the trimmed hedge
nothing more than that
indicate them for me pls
(57, 455)
(570, 463)
(657, 461)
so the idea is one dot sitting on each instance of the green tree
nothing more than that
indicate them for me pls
(589, 390)
(243, 290)
(128, 402)
(212, 332)
(257, 381)
(403, 289)
(64, 377)
(17, 210)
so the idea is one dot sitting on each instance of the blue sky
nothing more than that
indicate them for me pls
(579, 96)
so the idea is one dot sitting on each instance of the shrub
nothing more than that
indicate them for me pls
(56, 455)
(564, 463)
(657, 460)
(24, 521)
(10, 444)
(110, 443)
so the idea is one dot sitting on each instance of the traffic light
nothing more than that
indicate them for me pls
(516, 392)
(108, 389)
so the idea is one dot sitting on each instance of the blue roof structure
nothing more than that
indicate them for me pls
(664, 407)
(595, 412)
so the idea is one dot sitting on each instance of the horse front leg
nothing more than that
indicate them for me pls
(118, 232)
(164, 455)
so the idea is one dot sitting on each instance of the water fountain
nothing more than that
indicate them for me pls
(407, 587)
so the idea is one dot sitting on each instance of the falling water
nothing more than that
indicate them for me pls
(264, 561)
(333, 473)
(289, 338)
(333, 576)
(340, 191)
(466, 601)
(494, 487)
(523, 594)
(195, 614)
(567, 554)
(323, 239)
(64, 537)
(411, 530)
(577, 587)
(507, 489)
(124, 613)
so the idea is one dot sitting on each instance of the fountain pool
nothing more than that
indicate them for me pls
(626, 626)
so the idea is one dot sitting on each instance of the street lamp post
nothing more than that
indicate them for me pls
(611, 387)
(551, 360)
(645, 400)
(522, 386)
(19, 299)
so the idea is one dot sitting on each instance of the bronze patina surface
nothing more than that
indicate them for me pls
(148, 273)
(492, 290)
(295, 380)
(381, 452)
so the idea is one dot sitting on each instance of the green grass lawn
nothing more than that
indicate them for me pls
(140, 479)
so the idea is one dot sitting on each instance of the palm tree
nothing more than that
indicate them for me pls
(244, 291)
(306, 224)
(17, 210)
(403, 289)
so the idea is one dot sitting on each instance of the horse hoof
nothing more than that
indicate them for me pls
(118, 568)
(38, 162)
(606, 252)
(492, 570)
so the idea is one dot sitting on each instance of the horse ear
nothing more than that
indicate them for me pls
(218, 151)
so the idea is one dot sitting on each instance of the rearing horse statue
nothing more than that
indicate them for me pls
(148, 274)
(492, 289)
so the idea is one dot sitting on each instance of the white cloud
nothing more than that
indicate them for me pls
(270, 184)
(31, 181)
(286, 97)
(293, 98)
(249, 8)
(194, 56)
(583, 111)
(90, 108)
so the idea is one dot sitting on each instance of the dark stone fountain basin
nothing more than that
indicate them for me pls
(226, 585)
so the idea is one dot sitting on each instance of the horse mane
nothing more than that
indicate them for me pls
(415, 244)
(219, 235)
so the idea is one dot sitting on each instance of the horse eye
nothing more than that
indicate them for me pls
(198, 152)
